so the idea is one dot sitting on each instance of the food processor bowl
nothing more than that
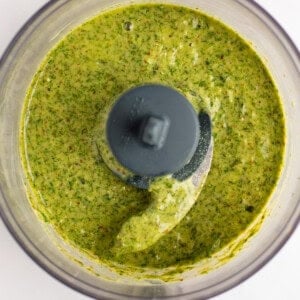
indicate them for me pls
(17, 68)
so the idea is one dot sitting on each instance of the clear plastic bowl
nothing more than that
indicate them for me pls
(17, 68)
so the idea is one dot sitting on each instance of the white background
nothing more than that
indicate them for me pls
(21, 278)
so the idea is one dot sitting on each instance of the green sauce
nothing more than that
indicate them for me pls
(72, 188)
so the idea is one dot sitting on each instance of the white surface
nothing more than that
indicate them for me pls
(21, 278)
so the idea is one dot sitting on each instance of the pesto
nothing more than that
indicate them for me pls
(213, 67)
